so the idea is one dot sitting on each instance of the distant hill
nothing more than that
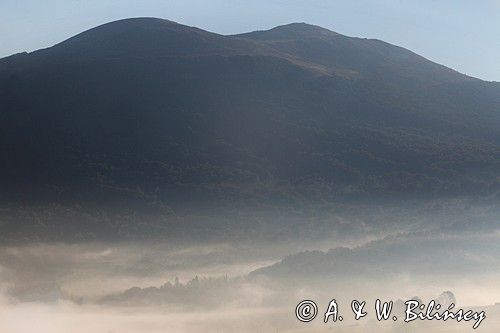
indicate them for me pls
(148, 110)
(459, 255)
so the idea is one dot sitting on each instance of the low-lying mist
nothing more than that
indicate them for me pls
(244, 286)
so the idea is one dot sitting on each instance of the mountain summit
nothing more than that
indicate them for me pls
(291, 31)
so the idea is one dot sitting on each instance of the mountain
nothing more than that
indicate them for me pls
(150, 111)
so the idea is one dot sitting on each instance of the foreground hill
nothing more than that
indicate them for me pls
(150, 111)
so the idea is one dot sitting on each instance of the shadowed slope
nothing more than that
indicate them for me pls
(151, 112)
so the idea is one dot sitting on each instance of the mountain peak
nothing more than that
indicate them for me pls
(139, 26)
(142, 36)
(296, 30)
(137, 22)
(303, 28)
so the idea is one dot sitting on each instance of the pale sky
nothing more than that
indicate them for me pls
(461, 34)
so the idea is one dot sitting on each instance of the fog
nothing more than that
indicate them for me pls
(242, 286)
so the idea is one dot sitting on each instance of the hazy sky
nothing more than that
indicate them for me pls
(462, 34)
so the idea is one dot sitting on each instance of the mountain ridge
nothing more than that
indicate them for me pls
(150, 25)
(165, 114)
